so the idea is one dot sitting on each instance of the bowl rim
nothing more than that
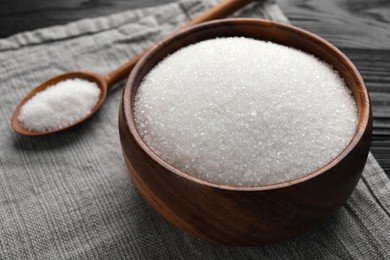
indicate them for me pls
(363, 114)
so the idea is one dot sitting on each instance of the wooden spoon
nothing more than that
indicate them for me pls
(221, 10)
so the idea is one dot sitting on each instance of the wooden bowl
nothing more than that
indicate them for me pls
(246, 215)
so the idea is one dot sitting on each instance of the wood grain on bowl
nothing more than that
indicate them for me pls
(245, 215)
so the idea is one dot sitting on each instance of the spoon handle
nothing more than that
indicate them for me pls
(221, 10)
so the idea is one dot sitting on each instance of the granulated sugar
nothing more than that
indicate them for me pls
(59, 105)
(244, 112)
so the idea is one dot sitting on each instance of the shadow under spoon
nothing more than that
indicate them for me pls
(221, 10)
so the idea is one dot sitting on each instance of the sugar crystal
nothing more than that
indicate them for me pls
(59, 105)
(244, 112)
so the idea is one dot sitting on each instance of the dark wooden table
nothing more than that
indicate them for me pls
(360, 28)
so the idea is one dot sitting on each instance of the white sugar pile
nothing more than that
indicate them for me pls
(59, 105)
(244, 112)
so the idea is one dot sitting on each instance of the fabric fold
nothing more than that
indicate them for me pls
(68, 195)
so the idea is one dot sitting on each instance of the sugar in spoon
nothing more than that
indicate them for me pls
(221, 10)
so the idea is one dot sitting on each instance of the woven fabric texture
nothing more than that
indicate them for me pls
(69, 196)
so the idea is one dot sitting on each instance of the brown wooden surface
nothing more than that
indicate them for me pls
(245, 215)
(221, 10)
(18, 127)
(361, 28)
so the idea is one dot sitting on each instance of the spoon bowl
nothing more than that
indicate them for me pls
(92, 77)
(223, 9)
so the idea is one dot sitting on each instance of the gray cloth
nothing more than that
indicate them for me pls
(68, 195)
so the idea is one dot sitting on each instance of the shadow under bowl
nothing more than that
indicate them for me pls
(246, 215)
